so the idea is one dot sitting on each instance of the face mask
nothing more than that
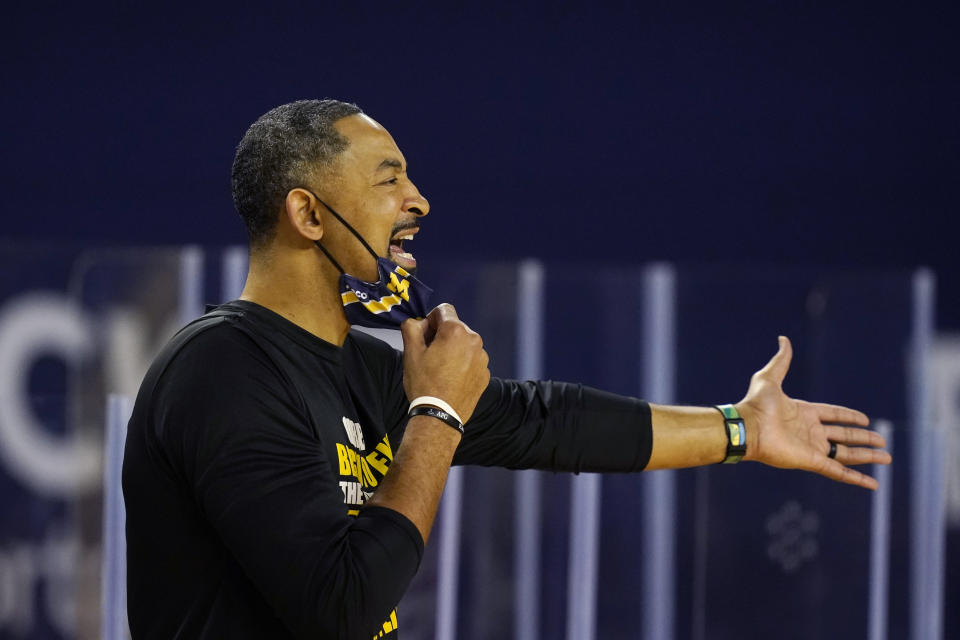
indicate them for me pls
(386, 303)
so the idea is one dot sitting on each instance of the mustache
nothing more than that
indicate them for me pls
(412, 224)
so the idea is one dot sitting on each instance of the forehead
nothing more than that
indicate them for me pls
(370, 144)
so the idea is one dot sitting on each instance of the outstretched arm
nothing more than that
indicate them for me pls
(781, 431)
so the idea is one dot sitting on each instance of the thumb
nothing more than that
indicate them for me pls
(412, 331)
(780, 363)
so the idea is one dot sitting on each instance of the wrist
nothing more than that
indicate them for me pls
(434, 407)
(435, 430)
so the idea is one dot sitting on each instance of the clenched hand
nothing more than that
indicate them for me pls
(444, 358)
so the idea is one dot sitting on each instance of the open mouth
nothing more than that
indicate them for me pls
(398, 254)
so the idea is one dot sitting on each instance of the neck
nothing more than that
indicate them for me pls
(300, 288)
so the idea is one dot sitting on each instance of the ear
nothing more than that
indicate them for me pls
(303, 214)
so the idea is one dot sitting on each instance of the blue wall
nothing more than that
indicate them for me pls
(728, 133)
(745, 133)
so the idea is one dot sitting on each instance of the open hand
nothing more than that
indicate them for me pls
(794, 434)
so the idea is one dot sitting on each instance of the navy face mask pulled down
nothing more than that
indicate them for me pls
(385, 304)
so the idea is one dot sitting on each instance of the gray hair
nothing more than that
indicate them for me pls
(282, 150)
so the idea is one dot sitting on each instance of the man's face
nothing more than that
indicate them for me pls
(370, 188)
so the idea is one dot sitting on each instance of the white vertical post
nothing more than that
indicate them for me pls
(529, 366)
(233, 272)
(584, 548)
(191, 284)
(927, 510)
(937, 488)
(659, 487)
(701, 523)
(880, 541)
(113, 593)
(448, 569)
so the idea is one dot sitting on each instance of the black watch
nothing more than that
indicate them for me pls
(736, 433)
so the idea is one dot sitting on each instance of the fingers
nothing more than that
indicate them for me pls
(854, 436)
(441, 313)
(835, 414)
(861, 455)
(780, 363)
(869, 449)
(835, 470)
(420, 333)
(444, 312)
(413, 333)
(838, 468)
(447, 360)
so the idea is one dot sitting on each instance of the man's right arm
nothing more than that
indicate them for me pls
(226, 424)
(443, 358)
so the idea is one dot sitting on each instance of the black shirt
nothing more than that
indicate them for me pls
(252, 448)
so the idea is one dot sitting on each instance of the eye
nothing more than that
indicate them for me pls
(390, 181)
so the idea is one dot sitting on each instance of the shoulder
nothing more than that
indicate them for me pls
(213, 350)
(213, 381)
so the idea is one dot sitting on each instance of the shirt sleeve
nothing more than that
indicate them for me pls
(237, 437)
(556, 426)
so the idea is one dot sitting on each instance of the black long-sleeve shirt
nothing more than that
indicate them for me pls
(251, 451)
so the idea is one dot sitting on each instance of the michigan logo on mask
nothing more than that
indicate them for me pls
(386, 303)
(396, 296)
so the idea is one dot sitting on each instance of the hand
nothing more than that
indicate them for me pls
(444, 358)
(793, 434)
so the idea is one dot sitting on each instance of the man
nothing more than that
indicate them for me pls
(259, 503)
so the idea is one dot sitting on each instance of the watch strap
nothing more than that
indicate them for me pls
(736, 433)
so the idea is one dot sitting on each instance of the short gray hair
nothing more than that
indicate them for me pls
(282, 150)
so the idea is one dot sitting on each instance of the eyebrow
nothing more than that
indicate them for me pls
(390, 163)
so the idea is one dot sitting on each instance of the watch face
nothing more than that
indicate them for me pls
(737, 433)
(736, 440)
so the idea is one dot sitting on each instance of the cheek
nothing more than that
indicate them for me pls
(380, 214)
(383, 205)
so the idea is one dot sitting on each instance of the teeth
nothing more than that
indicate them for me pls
(409, 236)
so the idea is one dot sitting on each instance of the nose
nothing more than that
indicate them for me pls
(415, 203)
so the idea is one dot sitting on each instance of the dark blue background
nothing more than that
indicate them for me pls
(739, 133)
(747, 134)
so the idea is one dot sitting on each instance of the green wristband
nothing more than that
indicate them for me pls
(736, 433)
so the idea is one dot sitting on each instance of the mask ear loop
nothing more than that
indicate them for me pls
(329, 257)
(347, 225)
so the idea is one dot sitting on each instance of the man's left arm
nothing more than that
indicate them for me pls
(564, 427)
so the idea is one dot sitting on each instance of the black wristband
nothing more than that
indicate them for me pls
(439, 414)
